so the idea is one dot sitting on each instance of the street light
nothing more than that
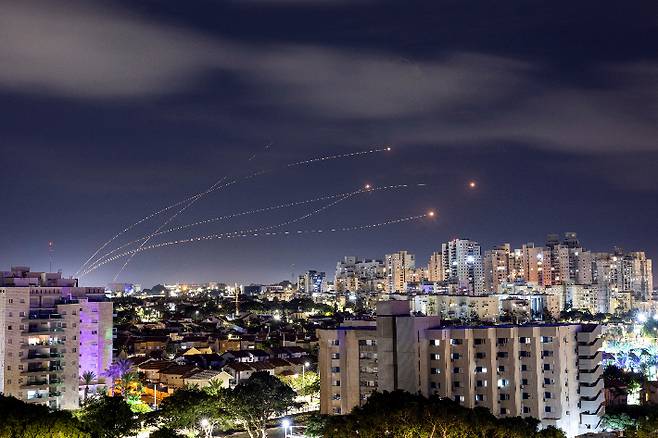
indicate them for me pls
(155, 396)
(286, 425)
(206, 426)
(304, 365)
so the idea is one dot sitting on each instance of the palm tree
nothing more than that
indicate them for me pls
(130, 382)
(117, 371)
(88, 378)
(214, 387)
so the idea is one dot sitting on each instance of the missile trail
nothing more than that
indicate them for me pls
(270, 227)
(168, 221)
(257, 233)
(267, 228)
(253, 175)
(249, 212)
(172, 217)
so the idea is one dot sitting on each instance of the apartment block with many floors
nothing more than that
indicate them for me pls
(548, 371)
(51, 332)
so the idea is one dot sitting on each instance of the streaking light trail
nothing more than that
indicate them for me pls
(171, 218)
(270, 227)
(257, 233)
(234, 181)
(369, 188)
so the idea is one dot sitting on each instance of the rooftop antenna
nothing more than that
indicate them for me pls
(51, 250)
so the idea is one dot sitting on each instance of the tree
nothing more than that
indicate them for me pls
(165, 433)
(399, 414)
(618, 421)
(306, 384)
(647, 427)
(117, 371)
(214, 387)
(550, 432)
(257, 399)
(108, 417)
(22, 420)
(185, 408)
(88, 378)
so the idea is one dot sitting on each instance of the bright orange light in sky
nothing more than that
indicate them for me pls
(472, 184)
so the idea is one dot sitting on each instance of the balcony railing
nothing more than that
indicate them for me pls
(43, 317)
(44, 330)
(33, 383)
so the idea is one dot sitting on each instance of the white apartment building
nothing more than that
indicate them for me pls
(360, 275)
(399, 266)
(435, 268)
(551, 372)
(496, 266)
(51, 331)
(462, 265)
(463, 307)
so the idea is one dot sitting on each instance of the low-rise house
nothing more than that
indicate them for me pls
(197, 341)
(211, 361)
(145, 345)
(287, 352)
(255, 355)
(205, 377)
(194, 351)
(264, 365)
(174, 376)
(152, 369)
(650, 393)
(239, 371)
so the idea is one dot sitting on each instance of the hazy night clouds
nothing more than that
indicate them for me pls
(72, 49)
(149, 100)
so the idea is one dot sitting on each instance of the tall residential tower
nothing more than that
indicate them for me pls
(51, 332)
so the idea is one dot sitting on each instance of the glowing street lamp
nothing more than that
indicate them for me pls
(286, 426)
(206, 426)
(304, 365)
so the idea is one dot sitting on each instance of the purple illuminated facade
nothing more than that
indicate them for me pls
(51, 332)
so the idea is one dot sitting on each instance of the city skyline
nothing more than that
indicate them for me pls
(329, 218)
(520, 124)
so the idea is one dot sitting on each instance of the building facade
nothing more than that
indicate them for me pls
(551, 372)
(399, 266)
(51, 332)
(462, 265)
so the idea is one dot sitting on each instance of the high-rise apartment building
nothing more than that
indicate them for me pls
(353, 275)
(496, 267)
(51, 331)
(462, 265)
(536, 262)
(312, 282)
(398, 267)
(551, 372)
(637, 274)
(435, 268)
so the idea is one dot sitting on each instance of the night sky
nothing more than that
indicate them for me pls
(109, 111)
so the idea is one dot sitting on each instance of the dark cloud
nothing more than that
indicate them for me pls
(122, 107)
